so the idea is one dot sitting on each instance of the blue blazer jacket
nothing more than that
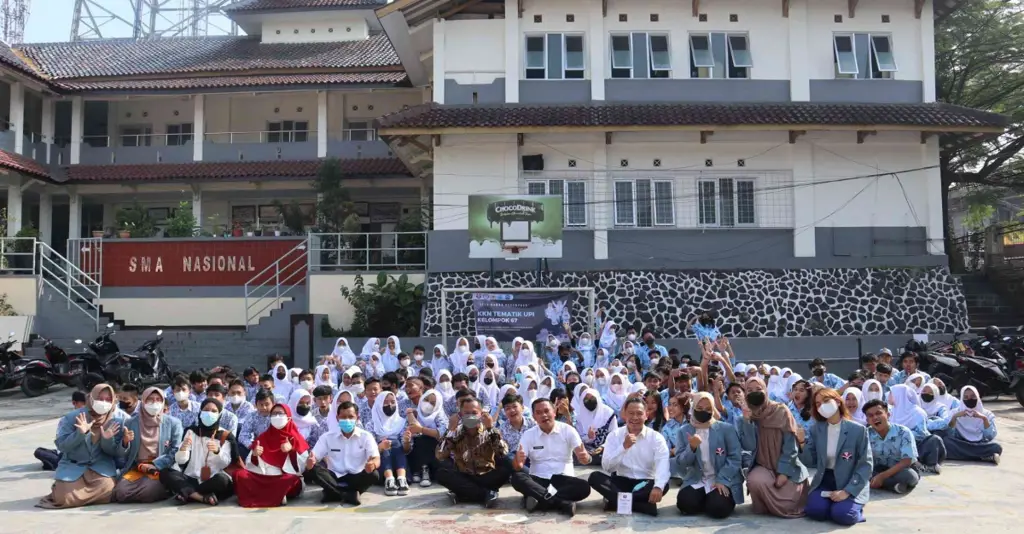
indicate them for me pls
(79, 453)
(170, 440)
(724, 444)
(853, 458)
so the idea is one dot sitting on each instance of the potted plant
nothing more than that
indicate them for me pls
(20, 256)
(248, 230)
(277, 230)
(183, 223)
(134, 221)
(97, 232)
(292, 218)
(257, 230)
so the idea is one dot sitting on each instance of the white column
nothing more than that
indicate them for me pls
(197, 204)
(933, 194)
(512, 46)
(74, 214)
(14, 220)
(198, 127)
(17, 113)
(49, 125)
(601, 201)
(802, 163)
(439, 65)
(321, 124)
(46, 218)
(928, 53)
(341, 114)
(77, 129)
(799, 73)
(597, 40)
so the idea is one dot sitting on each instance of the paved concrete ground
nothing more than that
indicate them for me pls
(965, 498)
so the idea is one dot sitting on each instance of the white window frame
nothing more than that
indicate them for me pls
(629, 53)
(181, 138)
(892, 54)
(634, 204)
(565, 55)
(749, 63)
(710, 53)
(717, 181)
(729, 56)
(651, 67)
(544, 55)
(144, 137)
(546, 182)
(852, 52)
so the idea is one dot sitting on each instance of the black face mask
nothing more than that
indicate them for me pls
(563, 357)
(819, 371)
(971, 403)
(304, 410)
(650, 342)
(571, 386)
(755, 398)
(942, 391)
(488, 381)
(126, 406)
(927, 398)
(702, 416)
(390, 410)
(590, 404)
(280, 376)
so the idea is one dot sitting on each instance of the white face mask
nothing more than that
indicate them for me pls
(236, 399)
(153, 408)
(616, 388)
(553, 343)
(427, 407)
(404, 363)
(295, 380)
(631, 337)
(307, 385)
(356, 388)
(101, 407)
(828, 409)
(872, 395)
(603, 380)
(278, 421)
(524, 354)
(654, 361)
(418, 357)
(445, 387)
(181, 396)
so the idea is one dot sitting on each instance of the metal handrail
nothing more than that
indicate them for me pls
(275, 268)
(9, 252)
(70, 274)
(261, 136)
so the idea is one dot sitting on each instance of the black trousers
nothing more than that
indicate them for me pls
(693, 501)
(472, 488)
(609, 486)
(49, 457)
(178, 483)
(334, 486)
(568, 488)
(422, 455)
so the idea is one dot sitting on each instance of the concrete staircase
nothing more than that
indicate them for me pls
(985, 307)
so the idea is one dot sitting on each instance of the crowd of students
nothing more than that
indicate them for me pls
(476, 419)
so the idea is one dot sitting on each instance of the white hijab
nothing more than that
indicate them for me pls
(374, 366)
(482, 341)
(577, 397)
(607, 334)
(345, 353)
(969, 427)
(526, 355)
(530, 395)
(318, 374)
(777, 385)
(479, 379)
(390, 357)
(460, 355)
(332, 414)
(601, 360)
(916, 376)
(305, 423)
(858, 414)
(788, 387)
(428, 418)
(488, 393)
(866, 390)
(547, 384)
(282, 387)
(614, 400)
(906, 409)
(372, 345)
(931, 408)
(383, 425)
(445, 388)
(586, 419)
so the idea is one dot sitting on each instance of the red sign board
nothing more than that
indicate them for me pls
(201, 262)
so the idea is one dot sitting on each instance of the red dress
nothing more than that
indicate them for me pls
(256, 490)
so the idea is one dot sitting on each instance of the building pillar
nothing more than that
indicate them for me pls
(321, 124)
(602, 203)
(49, 126)
(934, 231)
(802, 163)
(799, 70)
(17, 113)
(77, 129)
(197, 204)
(14, 219)
(439, 64)
(512, 46)
(928, 53)
(46, 218)
(198, 127)
(74, 215)
(597, 50)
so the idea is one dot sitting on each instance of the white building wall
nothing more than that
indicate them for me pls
(902, 26)
(314, 27)
(156, 113)
(474, 50)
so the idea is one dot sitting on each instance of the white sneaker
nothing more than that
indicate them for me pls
(425, 479)
(403, 486)
(390, 488)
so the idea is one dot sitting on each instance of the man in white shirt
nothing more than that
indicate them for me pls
(351, 456)
(549, 446)
(636, 460)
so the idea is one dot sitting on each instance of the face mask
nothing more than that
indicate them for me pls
(616, 388)
(181, 396)
(819, 371)
(307, 385)
(211, 418)
(154, 408)
(418, 357)
(356, 388)
(590, 404)
(125, 406)
(488, 381)
(571, 386)
(470, 421)
(602, 381)
(927, 398)
(390, 410)
(101, 407)
(654, 361)
(404, 363)
(970, 403)
(295, 380)
(278, 421)
(701, 416)
(302, 410)
(553, 343)
(472, 378)
(586, 342)
(236, 399)
(347, 425)
(828, 409)
(427, 407)
(630, 366)
(755, 398)
(872, 395)
(280, 376)
(445, 387)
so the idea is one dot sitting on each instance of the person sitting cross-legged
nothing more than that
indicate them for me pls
(344, 461)
(472, 456)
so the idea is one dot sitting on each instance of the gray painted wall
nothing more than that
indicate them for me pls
(868, 91)
(696, 90)
(357, 149)
(448, 250)
(554, 91)
(136, 154)
(486, 93)
(259, 151)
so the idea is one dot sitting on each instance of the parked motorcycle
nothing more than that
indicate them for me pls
(102, 361)
(12, 365)
(59, 367)
(144, 367)
(993, 364)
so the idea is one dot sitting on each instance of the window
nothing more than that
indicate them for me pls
(179, 134)
(720, 55)
(574, 197)
(725, 202)
(136, 135)
(359, 131)
(863, 56)
(555, 56)
(644, 203)
(288, 132)
(632, 52)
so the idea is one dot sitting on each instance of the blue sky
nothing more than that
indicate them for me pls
(50, 20)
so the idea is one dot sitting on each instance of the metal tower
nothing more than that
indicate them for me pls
(147, 19)
(13, 14)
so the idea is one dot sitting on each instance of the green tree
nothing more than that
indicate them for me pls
(388, 305)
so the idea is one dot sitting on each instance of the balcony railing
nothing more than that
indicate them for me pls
(17, 255)
(368, 134)
(278, 136)
(384, 251)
